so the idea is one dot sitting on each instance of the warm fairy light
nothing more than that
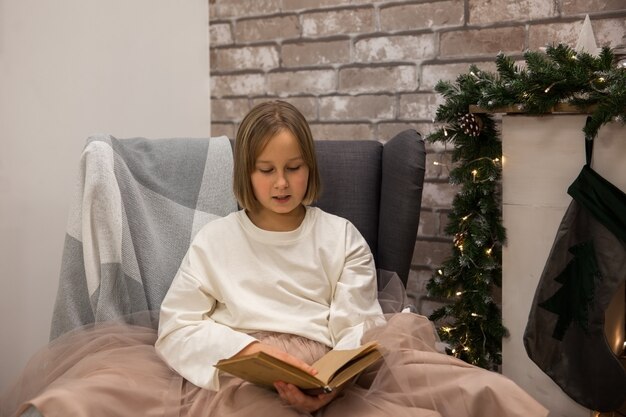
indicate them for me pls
(436, 163)
(474, 315)
(445, 132)
(446, 329)
(547, 89)
(440, 272)
(601, 79)
(488, 251)
(453, 351)
(467, 349)
(474, 173)
(496, 160)
(461, 247)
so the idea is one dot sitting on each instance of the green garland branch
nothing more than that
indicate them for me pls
(471, 322)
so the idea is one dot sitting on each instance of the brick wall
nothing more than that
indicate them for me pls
(366, 70)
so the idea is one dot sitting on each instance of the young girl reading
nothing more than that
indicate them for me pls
(280, 277)
(290, 280)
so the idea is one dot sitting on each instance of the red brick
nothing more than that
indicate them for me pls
(220, 34)
(316, 53)
(431, 253)
(591, 6)
(608, 32)
(335, 22)
(419, 106)
(266, 29)
(375, 79)
(223, 129)
(229, 109)
(237, 85)
(438, 194)
(493, 11)
(357, 107)
(303, 82)
(251, 57)
(343, 131)
(431, 74)
(424, 15)
(239, 8)
(429, 224)
(440, 170)
(416, 284)
(483, 41)
(547, 34)
(395, 48)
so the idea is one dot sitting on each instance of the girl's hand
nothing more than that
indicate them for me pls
(255, 347)
(299, 400)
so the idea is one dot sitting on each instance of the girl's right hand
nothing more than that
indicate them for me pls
(255, 347)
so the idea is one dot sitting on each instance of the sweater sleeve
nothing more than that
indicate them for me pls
(188, 340)
(355, 296)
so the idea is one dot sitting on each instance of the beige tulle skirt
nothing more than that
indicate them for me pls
(112, 369)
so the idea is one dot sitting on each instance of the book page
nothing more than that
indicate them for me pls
(329, 364)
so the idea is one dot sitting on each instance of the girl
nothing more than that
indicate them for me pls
(293, 281)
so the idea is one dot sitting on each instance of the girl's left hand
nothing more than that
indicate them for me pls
(299, 400)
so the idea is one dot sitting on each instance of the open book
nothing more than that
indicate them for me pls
(334, 369)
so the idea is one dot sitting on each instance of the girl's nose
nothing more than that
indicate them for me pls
(281, 181)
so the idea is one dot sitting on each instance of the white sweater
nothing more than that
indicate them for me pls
(318, 281)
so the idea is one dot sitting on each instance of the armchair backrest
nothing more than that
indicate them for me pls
(139, 203)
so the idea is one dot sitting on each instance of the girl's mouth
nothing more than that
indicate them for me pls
(282, 198)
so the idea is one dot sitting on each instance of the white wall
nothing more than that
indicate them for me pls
(542, 157)
(68, 69)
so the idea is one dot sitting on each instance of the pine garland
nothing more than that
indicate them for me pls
(471, 322)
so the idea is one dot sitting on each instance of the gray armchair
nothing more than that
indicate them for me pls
(162, 204)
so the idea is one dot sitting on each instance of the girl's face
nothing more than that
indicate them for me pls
(279, 181)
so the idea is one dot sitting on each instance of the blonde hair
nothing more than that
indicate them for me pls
(262, 123)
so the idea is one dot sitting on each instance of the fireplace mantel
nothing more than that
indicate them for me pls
(542, 155)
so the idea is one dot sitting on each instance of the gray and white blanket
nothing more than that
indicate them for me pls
(137, 205)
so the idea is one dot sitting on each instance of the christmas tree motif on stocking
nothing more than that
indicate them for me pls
(571, 301)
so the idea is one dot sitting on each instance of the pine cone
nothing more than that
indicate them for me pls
(471, 124)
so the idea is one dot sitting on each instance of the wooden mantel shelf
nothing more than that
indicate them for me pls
(559, 108)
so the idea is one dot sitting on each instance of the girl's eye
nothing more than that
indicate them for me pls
(293, 168)
(265, 170)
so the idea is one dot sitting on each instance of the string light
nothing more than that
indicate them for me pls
(474, 174)
(488, 251)
(459, 293)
